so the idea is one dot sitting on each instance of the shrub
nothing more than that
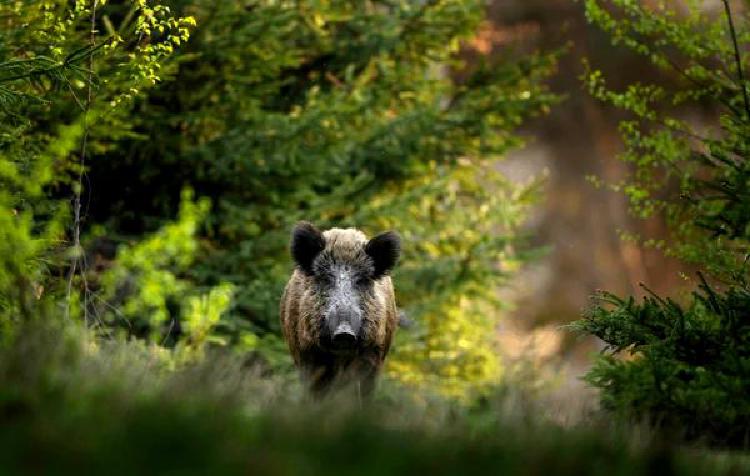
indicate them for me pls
(690, 364)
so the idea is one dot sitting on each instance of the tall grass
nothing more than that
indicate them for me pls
(72, 404)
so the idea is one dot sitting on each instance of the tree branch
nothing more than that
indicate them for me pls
(82, 163)
(737, 57)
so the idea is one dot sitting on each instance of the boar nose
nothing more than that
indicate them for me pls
(344, 336)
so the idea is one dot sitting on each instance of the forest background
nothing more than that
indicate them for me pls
(155, 156)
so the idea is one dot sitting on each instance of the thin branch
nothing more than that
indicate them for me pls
(681, 71)
(737, 57)
(82, 163)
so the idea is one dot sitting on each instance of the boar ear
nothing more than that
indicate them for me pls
(384, 250)
(307, 243)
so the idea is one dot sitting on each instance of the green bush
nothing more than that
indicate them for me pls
(690, 363)
(690, 366)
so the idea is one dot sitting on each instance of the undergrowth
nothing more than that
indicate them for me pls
(69, 402)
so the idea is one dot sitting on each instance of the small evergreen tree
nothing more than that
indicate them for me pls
(690, 365)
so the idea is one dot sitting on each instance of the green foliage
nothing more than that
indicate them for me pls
(690, 365)
(694, 174)
(68, 401)
(343, 114)
(145, 279)
(62, 94)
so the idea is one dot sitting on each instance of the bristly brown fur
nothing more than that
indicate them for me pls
(301, 316)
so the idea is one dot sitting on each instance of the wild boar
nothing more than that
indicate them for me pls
(338, 311)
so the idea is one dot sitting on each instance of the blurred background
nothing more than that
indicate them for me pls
(581, 223)
(155, 156)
